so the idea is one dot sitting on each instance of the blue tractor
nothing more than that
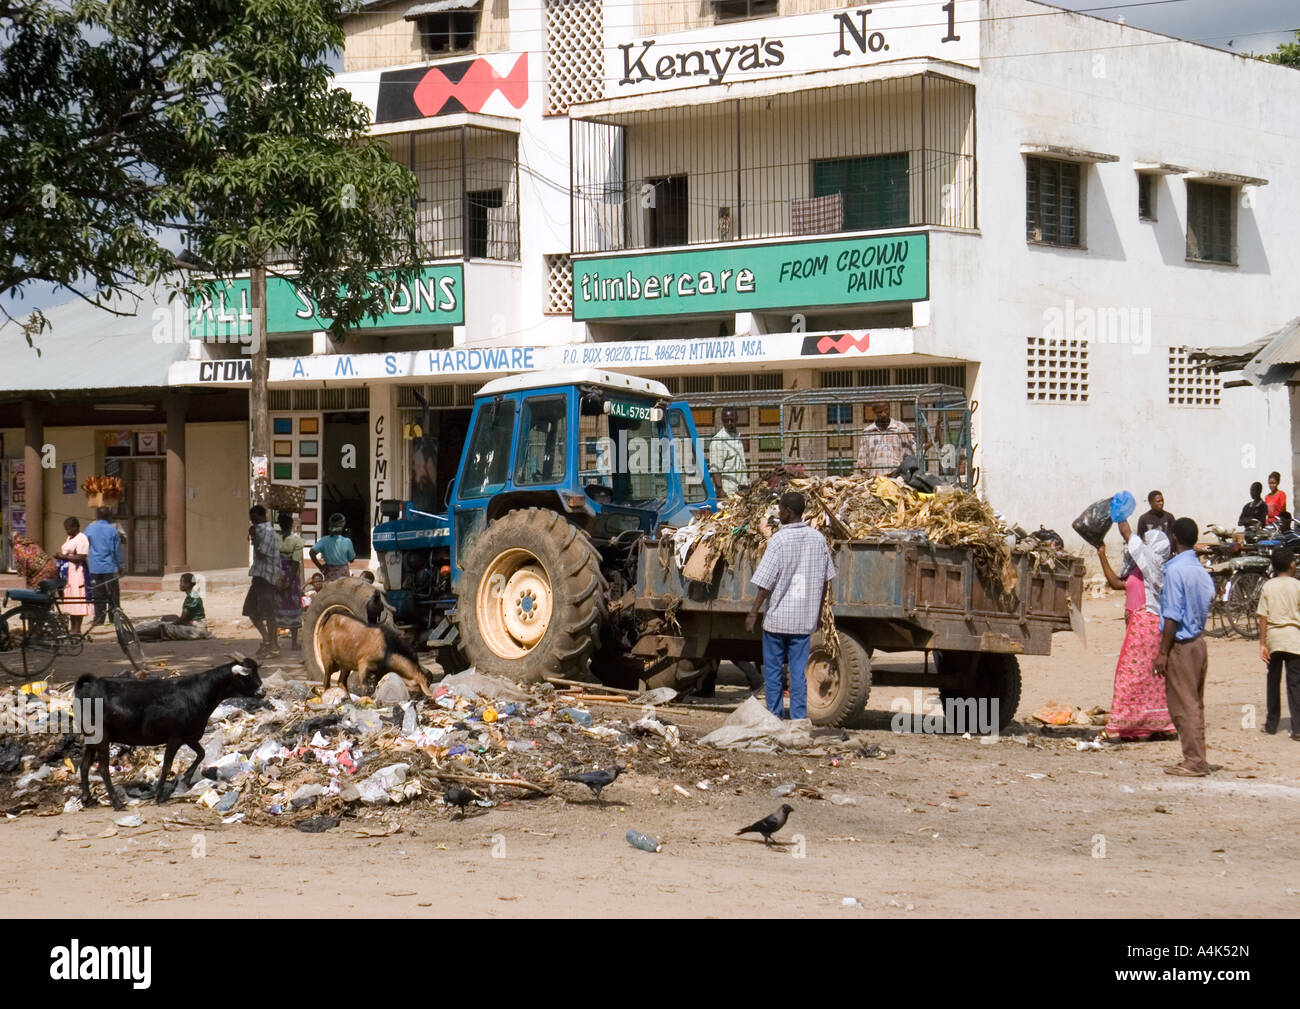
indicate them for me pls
(527, 574)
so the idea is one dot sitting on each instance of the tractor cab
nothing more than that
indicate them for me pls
(584, 462)
(607, 451)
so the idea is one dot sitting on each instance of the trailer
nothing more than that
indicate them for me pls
(887, 596)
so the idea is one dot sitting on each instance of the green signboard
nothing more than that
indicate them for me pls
(436, 298)
(744, 278)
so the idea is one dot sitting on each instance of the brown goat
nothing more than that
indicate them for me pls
(345, 644)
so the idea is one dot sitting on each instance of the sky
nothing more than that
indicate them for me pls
(1244, 26)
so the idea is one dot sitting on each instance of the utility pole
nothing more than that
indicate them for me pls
(259, 423)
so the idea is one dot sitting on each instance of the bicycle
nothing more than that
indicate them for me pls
(34, 633)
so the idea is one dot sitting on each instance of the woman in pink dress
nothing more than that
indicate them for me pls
(1139, 710)
(74, 551)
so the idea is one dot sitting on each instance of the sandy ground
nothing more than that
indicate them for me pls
(944, 826)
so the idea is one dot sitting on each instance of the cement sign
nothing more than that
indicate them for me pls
(827, 40)
(745, 278)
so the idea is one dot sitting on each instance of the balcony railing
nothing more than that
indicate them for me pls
(469, 191)
(860, 157)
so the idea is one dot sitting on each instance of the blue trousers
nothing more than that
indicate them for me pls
(791, 649)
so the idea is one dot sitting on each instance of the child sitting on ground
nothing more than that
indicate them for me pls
(192, 623)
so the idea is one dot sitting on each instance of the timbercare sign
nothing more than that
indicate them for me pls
(826, 40)
(746, 278)
(224, 313)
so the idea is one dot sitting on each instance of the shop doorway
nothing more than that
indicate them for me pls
(141, 515)
(345, 474)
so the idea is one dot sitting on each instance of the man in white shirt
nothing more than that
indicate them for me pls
(727, 456)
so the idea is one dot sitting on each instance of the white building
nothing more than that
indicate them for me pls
(1039, 206)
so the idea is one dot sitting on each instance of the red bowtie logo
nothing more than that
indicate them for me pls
(842, 343)
(475, 86)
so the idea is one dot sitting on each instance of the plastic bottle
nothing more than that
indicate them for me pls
(643, 841)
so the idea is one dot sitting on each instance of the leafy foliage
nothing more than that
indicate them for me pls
(128, 128)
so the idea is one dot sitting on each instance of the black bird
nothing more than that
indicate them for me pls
(769, 825)
(596, 780)
(460, 797)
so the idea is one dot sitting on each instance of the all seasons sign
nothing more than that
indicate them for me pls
(436, 298)
(749, 278)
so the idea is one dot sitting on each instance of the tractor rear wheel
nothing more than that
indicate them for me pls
(532, 598)
(353, 596)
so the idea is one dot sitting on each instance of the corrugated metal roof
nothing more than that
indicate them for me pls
(1267, 361)
(87, 348)
(440, 7)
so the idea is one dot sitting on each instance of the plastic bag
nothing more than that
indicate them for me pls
(1122, 506)
(1094, 523)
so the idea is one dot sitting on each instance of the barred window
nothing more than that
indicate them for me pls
(1052, 201)
(741, 10)
(1057, 370)
(1209, 222)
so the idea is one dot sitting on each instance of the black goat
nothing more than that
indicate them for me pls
(155, 712)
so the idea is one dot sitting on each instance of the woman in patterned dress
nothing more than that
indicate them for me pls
(1139, 710)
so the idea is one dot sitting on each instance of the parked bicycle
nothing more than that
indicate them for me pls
(35, 632)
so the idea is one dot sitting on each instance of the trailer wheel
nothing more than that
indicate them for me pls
(985, 678)
(353, 596)
(532, 598)
(838, 690)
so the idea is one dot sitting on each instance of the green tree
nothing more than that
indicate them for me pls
(1288, 53)
(129, 127)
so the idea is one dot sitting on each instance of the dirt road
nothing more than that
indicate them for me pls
(943, 826)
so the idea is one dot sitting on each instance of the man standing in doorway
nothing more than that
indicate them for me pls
(727, 455)
(260, 603)
(884, 443)
(791, 579)
(1184, 608)
(104, 562)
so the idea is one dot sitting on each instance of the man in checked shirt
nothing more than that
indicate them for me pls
(791, 579)
(884, 443)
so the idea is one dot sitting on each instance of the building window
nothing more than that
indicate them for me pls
(874, 190)
(669, 211)
(1209, 223)
(1146, 197)
(1192, 385)
(448, 31)
(1057, 370)
(741, 10)
(559, 284)
(476, 231)
(1052, 201)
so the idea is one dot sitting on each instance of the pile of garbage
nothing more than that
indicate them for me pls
(866, 508)
(300, 756)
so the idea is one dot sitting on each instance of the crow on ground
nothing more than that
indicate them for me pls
(769, 825)
(596, 780)
(460, 797)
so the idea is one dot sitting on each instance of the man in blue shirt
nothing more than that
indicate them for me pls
(104, 561)
(1184, 608)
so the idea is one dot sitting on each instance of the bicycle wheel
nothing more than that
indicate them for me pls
(28, 650)
(127, 639)
(1243, 598)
